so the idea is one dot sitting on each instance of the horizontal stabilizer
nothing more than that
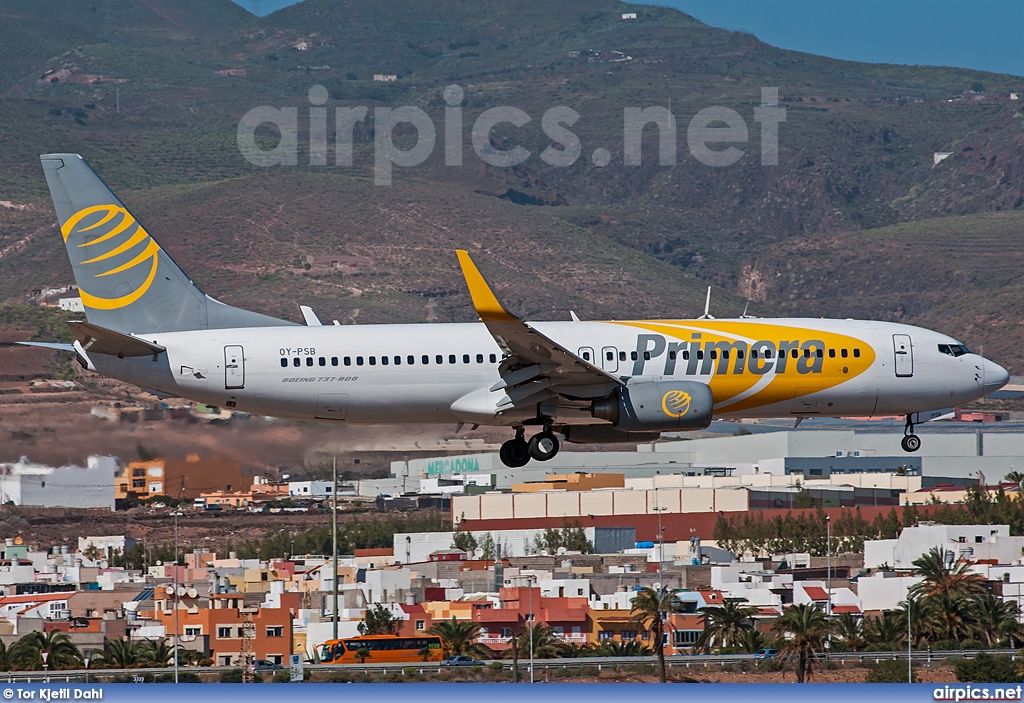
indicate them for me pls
(103, 341)
(50, 345)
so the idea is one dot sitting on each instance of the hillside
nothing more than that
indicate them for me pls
(142, 94)
(961, 275)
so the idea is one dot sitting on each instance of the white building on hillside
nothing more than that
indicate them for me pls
(25, 483)
(957, 542)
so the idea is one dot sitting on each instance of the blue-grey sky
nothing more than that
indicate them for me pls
(980, 34)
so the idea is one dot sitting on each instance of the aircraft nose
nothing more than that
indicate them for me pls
(995, 376)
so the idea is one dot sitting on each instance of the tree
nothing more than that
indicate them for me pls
(988, 669)
(955, 580)
(122, 654)
(888, 671)
(650, 608)
(629, 648)
(546, 644)
(949, 617)
(159, 652)
(885, 632)
(61, 653)
(379, 620)
(850, 629)
(459, 637)
(993, 618)
(1014, 477)
(805, 628)
(725, 626)
(464, 541)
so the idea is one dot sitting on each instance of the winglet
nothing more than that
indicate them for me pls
(487, 306)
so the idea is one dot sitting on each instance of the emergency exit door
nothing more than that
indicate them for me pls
(904, 355)
(234, 367)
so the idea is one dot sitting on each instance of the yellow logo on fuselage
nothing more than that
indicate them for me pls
(748, 364)
(118, 221)
(675, 403)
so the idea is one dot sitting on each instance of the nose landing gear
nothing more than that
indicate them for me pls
(911, 442)
(517, 452)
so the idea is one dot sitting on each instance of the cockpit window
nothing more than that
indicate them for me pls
(953, 349)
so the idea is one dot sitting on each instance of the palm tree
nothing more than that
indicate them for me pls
(949, 617)
(805, 628)
(6, 661)
(753, 640)
(61, 653)
(159, 653)
(122, 654)
(459, 637)
(1014, 477)
(850, 629)
(725, 626)
(650, 608)
(574, 651)
(990, 616)
(629, 648)
(885, 632)
(955, 580)
(546, 644)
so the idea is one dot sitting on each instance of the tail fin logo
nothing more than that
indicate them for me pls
(121, 234)
(675, 403)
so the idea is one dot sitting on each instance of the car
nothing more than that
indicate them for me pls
(213, 508)
(462, 660)
(766, 653)
(267, 665)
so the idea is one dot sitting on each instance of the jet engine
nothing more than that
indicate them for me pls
(657, 406)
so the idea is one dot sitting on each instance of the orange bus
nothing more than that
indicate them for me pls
(382, 648)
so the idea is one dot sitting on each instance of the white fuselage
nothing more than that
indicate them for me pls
(338, 373)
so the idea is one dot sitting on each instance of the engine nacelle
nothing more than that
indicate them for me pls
(657, 406)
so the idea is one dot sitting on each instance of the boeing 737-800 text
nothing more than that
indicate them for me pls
(148, 324)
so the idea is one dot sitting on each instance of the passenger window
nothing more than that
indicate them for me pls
(647, 356)
(586, 356)
(807, 353)
(359, 361)
(700, 354)
(714, 353)
(479, 358)
(795, 353)
(410, 360)
(753, 353)
(767, 353)
(439, 359)
(284, 363)
(609, 356)
(465, 358)
(373, 361)
(686, 355)
(451, 358)
(383, 361)
(334, 361)
(323, 361)
(494, 358)
(739, 353)
(425, 359)
(622, 356)
(844, 353)
(398, 361)
(672, 355)
(725, 353)
(348, 361)
(831, 353)
(820, 353)
(296, 361)
(309, 361)
(856, 353)
(633, 356)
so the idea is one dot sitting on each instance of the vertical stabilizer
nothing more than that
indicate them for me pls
(127, 282)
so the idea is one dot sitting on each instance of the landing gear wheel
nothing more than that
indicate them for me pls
(911, 443)
(515, 453)
(543, 446)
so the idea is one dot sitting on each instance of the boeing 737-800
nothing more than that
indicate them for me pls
(148, 324)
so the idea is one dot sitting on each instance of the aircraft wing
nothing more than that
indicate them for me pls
(59, 346)
(104, 341)
(536, 366)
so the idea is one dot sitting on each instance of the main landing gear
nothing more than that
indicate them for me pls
(911, 442)
(517, 452)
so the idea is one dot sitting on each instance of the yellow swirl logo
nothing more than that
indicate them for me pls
(675, 403)
(119, 222)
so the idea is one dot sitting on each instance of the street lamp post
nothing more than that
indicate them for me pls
(828, 579)
(176, 514)
(910, 668)
(531, 629)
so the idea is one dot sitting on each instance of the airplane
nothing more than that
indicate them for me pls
(148, 324)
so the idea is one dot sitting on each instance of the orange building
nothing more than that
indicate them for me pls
(221, 624)
(571, 482)
(179, 479)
